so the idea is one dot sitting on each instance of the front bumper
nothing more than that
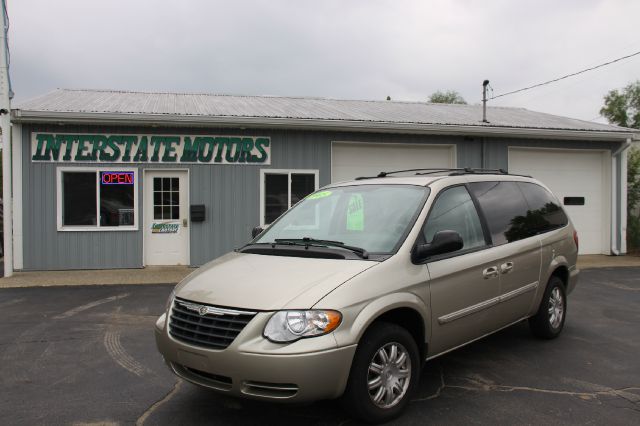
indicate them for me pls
(252, 367)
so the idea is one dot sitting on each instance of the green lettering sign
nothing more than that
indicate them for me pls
(119, 148)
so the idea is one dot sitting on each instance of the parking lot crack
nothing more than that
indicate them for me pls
(438, 392)
(149, 411)
(78, 309)
(479, 384)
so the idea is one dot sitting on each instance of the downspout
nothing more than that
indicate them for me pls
(616, 237)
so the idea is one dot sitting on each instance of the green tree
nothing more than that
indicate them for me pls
(623, 108)
(448, 97)
(633, 199)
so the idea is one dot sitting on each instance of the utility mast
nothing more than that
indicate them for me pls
(5, 127)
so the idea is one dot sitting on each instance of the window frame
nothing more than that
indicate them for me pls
(97, 227)
(488, 243)
(288, 172)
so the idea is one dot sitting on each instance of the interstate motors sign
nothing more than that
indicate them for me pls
(115, 148)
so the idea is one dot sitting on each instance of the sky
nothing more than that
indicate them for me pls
(342, 49)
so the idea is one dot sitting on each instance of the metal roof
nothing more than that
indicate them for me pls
(70, 105)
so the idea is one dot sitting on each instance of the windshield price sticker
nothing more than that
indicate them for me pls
(355, 213)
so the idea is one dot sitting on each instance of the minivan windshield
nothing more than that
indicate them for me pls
(371, 217)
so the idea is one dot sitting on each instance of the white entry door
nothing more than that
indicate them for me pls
(166, 221)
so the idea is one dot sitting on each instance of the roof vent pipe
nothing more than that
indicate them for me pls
(484, 101)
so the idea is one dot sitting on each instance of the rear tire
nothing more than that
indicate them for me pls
(548, 322)
(384, 374)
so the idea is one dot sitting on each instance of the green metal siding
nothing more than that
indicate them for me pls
(230, 193)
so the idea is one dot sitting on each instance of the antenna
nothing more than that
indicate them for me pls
(484, 101)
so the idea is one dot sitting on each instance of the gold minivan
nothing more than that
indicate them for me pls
(349, 292)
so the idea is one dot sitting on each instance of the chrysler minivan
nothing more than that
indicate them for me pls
(348, 293)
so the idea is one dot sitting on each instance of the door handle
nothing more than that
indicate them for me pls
(507, 267)
(490, 272)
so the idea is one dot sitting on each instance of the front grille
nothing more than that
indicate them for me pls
(205, 325)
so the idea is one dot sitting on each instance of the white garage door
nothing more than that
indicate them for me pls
(577, 174)
(351, 160)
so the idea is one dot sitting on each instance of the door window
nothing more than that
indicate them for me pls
(545, 213)
(454, 211)
(166, 198)
(505, 209)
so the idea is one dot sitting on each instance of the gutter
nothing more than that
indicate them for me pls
(166, 120)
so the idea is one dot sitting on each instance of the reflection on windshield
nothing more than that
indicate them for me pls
(373, 217)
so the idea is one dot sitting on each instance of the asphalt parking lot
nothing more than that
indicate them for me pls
(86, 356)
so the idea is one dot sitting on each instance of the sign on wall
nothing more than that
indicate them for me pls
(114, 148)
(165, 227)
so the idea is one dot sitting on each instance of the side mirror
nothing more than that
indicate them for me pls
(256, 231)
(443, 242)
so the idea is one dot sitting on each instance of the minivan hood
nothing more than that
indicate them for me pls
(263, 282)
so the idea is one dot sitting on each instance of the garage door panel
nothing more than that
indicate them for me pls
(351, 160)
(573, 173)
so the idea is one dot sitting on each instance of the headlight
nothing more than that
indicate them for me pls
(167, 305)
(289, 326)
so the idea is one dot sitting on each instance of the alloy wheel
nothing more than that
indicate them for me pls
(389, 375)
(556, 308)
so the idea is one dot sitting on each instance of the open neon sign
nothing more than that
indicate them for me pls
(116, 178)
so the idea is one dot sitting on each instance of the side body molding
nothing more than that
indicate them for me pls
(487, 303)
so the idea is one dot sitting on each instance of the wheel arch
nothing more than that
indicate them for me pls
(403, 309)
(562, 272)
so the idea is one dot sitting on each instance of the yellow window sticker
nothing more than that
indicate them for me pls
(320, 194)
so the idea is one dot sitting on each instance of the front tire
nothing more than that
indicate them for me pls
(548, 322)
(384, 374)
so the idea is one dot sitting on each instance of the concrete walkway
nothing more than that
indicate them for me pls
(173, 274)
(589, 261)
(148, 275)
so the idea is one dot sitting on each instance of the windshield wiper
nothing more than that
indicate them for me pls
(306, 241)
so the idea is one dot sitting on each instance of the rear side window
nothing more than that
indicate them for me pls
(454, 211)
(545, 213)
(505, 209)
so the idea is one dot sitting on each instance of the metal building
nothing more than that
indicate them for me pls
(112, 179)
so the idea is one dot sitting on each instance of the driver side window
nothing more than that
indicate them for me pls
(454, 211)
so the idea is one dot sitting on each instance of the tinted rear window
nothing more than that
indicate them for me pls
(545, 213)
(504, 208)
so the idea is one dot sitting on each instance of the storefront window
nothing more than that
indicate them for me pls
(79, 199)
(276, 199)
(100, 199)
(281, 189)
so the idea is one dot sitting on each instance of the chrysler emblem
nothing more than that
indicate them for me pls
(203, 310)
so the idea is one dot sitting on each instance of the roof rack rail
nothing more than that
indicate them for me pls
(452, 172)
(470, 170)
(428, 171)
